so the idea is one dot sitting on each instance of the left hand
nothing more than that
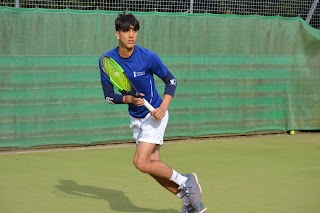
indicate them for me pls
(158, 113)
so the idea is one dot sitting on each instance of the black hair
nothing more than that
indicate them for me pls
(125, 20)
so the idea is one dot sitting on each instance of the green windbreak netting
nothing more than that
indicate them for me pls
(235, 74)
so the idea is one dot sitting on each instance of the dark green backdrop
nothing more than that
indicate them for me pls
(236, 75)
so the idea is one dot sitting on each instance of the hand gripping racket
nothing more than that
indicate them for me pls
(119, 79)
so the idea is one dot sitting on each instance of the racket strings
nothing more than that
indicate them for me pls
(116, 75)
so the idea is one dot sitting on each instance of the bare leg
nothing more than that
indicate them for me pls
(168, 184)
(147, 160)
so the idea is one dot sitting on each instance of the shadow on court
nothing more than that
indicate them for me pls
(117, 200)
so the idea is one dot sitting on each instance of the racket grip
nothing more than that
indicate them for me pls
(148, 105)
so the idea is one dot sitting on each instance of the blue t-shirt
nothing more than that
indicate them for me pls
(140, 68)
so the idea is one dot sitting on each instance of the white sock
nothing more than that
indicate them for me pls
(177, 178)
(183, 196)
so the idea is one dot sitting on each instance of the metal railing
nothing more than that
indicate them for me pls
(309, 10)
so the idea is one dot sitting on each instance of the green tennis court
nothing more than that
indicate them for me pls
(272, 173)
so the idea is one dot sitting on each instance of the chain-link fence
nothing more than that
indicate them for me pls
(309, 10)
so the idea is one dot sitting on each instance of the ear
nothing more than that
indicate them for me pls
(117, 35)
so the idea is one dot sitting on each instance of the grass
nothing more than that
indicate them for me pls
(272, 173)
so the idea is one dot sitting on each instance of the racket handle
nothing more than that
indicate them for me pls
(148, 105)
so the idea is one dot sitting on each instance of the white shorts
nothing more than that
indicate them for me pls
(149, 129)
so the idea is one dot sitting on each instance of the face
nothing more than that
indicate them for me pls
(127, 39)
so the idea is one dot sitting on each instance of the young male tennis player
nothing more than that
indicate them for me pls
(141, 65)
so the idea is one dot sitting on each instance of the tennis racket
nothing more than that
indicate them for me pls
(119, 79)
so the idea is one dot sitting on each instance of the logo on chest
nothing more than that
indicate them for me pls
(137, 74)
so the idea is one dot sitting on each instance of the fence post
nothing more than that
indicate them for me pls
(191, 6)
(17, 3)
(311, 11)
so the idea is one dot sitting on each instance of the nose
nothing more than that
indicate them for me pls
(131, 33)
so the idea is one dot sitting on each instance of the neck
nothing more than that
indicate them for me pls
(125, 52)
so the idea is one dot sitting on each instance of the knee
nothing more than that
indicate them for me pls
(140, 165)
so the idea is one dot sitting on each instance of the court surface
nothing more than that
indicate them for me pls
(277, 173)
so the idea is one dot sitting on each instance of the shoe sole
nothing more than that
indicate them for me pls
(196, 177)
(203, 210)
